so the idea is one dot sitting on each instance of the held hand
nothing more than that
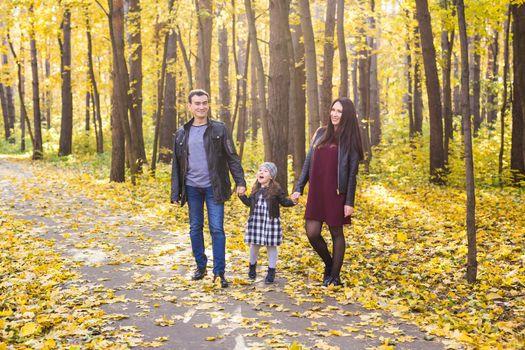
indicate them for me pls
(295, 197)
(241, 190)
(348, 210)
(175, 202)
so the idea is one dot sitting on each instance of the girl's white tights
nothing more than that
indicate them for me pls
(272, 255)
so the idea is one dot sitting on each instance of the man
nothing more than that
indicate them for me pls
(203, 153)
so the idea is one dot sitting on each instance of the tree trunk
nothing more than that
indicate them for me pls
(24, 118)
(375, 109)
(261, 89)
(492, 79)
(328, 60)
(47, 94)
(8, 95)
(38, 150)
(364, 99)
(185, 58)
(87, 124)
(99, 136)
(504, 103)
(311, 67)
(244, 58)
(121, 100)
(437, 157)
(355, 83)
(241, 44)
(447, 44)
(456, 91)
(278, 89)
(66, 124)
(224, 85)
(476, 86)
(205, 18)
(160, 95)
(472, 264)
(409, 95)
(5, 113)
(10, 110)
(343, 57)
(299, 128)
(135, 76)
(168, 120)
(518, 107)
(254, 96)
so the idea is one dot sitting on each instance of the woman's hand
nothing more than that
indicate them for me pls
(295, 197)
(349, 210)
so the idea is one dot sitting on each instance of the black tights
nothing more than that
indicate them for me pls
(335, 262)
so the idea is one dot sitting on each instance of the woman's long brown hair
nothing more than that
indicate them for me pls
(348, 131)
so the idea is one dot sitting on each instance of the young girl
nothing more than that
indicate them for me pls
(264, 225)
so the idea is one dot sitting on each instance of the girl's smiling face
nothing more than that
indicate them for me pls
(263, 176)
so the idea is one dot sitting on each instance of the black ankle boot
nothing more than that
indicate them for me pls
(334, 281)
(252, 274)
(199, 273)
(270, 277)
(224, 282)
(326, 274)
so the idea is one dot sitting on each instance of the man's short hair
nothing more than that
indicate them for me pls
(197, 92)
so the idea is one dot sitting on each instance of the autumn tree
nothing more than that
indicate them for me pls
(518, 106)
(205, 27)
(123, 130)
(135, 74)
(472, 264)
(328, 58)
(278, 88)
(38, 150)
(310, 57)
(437, 156)
(66, 124)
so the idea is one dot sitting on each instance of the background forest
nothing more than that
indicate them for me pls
(98, 87)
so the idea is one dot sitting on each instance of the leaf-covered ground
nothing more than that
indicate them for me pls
(129, 253)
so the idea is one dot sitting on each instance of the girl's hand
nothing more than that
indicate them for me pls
(348, 210)
(295, 197)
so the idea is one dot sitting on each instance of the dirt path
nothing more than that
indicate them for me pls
(148, 269)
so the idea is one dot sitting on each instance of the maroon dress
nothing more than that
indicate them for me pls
(323, 203)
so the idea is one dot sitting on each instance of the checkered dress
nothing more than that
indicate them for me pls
(262, 230)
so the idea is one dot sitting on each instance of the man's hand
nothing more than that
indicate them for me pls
(175, 202)
(348, 210)
(240, 190)
(295, 197)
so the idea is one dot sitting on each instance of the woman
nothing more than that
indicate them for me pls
(331, 168)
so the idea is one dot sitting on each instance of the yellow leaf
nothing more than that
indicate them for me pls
(402, 236)
(3, 346)
(295, 346)
(464, 337)
(492, 296)
(50, 343)
(335, 332)
(7, 312)
(29, 329)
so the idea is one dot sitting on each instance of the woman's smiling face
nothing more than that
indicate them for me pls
(336, 113)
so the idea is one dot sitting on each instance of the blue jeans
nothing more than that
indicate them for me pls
(196, 198)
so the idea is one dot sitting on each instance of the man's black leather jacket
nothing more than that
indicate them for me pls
(348, 165)
(221, 156)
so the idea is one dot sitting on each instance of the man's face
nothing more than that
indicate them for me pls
(199, 106)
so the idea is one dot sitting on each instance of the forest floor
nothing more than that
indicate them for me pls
(94, 264)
